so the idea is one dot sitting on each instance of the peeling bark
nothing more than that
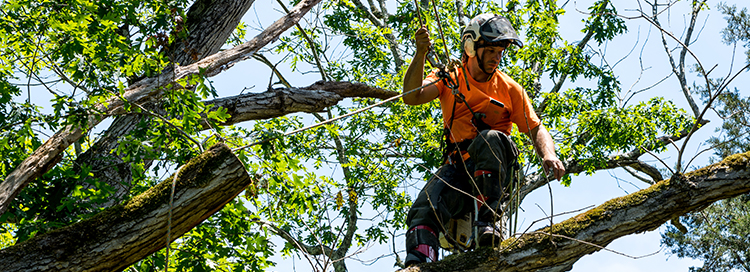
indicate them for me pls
(552, 249)
(120, 236)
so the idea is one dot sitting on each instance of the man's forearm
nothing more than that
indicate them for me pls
(413, 77)
(543, 143)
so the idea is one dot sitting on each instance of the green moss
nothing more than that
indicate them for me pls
(734, 162)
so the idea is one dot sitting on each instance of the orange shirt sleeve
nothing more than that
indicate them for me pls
(523, 114)
(440, 84)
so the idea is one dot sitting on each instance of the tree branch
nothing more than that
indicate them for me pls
(126, 233)
(641, 211)
(533, 181)
(679, 69)
(307, 249)
(564, 76)
(282, 101)
(392, 44)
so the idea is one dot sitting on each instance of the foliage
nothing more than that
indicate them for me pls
(226, 241)
(718, 235)
(738, 25)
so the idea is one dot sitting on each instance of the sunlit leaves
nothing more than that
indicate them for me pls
(229, 240)
(611, 130)
(604, 21)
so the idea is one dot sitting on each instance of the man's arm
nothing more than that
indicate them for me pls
(413, 77)
(545, 148)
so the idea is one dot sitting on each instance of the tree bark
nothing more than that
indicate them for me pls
(558, 247)
(144, 91)
(126, 233)
(209, 25)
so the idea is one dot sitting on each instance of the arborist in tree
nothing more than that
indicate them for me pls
(480, 158)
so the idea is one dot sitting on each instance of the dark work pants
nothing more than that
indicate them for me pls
(448, 193)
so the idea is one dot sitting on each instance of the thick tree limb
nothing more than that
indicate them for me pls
(549, 250)
(209, 25)
(126, 233)
(282, 101)
(143, 91)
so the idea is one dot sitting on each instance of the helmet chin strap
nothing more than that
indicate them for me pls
(481, 64)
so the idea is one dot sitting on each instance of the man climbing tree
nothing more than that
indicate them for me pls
(479, 105)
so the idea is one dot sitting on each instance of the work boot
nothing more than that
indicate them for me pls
(488, 235)
(421, 245)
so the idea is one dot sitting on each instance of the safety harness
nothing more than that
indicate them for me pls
(449, 148)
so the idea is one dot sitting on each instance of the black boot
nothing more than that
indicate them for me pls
(488, 234)
(491, 193)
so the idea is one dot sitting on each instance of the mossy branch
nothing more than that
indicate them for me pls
(126, 233)
(558, 247)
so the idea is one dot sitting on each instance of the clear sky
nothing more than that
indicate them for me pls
(585, 191)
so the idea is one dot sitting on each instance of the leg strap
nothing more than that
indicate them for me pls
(421, 235)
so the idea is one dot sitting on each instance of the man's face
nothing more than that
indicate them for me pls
(490, 56)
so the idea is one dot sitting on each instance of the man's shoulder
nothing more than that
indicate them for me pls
(504, 79)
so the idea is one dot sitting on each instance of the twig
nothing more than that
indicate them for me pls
(169, 219)
(597, 246)
(309, 42)
(184, 134)
(660, 160)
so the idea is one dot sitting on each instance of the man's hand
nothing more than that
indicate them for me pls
(545, 148)
(555, 166)
(413, 77)
(422, 38)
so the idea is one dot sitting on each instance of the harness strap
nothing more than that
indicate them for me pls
(421, 235)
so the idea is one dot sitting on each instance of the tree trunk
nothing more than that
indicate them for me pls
(558, 247)
(209, 24)
(124, 234)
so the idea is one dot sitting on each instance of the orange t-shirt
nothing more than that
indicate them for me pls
(517, 105)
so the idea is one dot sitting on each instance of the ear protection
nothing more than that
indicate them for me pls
(469, 47)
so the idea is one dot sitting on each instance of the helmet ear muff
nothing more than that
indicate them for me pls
(469, 48)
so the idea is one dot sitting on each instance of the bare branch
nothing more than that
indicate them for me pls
(307, 249)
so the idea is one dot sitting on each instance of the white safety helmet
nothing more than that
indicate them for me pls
(489, 27)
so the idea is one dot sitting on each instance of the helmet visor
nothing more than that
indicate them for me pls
(498, 29)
